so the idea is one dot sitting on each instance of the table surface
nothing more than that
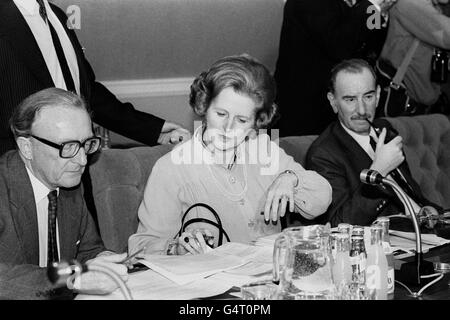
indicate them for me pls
(437, 291)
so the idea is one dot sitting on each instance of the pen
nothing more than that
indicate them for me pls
(128, 258)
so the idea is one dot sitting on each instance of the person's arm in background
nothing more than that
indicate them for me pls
(121, 117)
(339, 35)
(424, 21)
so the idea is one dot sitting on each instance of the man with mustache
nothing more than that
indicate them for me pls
(43, 215)
(345, 148)
(316, 35)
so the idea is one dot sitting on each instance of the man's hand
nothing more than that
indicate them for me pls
(94, 282)
(387, 156)
(173, 133)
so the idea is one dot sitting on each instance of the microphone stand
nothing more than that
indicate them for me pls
(410, 272)
(117, 279)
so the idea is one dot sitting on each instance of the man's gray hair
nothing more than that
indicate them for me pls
(25, 113)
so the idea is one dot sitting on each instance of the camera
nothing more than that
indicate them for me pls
(439, 66)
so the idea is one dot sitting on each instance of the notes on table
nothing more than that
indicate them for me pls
(187, 268)
(150, 285)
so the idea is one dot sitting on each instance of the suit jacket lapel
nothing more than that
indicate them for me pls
(14, 28)
(25, 215)
(358, 157)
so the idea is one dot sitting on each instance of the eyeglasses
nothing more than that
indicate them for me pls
(70, 149)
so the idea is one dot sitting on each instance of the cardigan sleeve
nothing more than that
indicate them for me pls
(159, 212)
(312, 195)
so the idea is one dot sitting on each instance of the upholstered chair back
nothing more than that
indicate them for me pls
(118, 179)
(426, 142)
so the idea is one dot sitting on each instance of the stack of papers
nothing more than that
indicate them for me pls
(150, 285)
(404, 243)
(267, 241)
(188, 268)
(258, 263)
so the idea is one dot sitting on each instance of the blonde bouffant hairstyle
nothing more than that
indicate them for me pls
(246, 76)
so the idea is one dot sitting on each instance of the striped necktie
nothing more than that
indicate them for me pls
(52, 245)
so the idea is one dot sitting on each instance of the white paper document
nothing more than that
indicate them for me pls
(187, 268)
(405, 242)
(149, 285)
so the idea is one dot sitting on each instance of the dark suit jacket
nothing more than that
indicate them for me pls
(340, 159)
(19, 243)
(23, 72)
(316, 35)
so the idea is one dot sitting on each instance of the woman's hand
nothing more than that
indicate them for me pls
(194, 242)
(279, 193)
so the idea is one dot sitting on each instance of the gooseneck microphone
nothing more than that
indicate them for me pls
(371, 177)
(62, 273)
(412, 271)
(375, 178)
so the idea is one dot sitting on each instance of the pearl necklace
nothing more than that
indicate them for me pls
(235, 197)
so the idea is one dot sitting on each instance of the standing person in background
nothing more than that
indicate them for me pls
(38, 51)
(316, 35)
(428, 22)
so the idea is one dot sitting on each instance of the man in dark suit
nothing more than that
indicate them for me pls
(316, 35)
(344, 149)
(43, 216)
(38, 51)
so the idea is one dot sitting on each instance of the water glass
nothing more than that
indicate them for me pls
(259, 290)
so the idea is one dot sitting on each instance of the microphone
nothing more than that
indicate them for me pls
(62, 273)
(371, 177)
(411, 272)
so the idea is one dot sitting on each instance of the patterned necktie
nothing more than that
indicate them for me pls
(398, 178)
(70, 85)
(42, 10)
(52, 246)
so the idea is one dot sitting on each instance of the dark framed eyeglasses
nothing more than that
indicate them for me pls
(69, 149)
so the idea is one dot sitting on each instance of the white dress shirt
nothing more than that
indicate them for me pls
(30, 11)
(364, 142)
(41, 192)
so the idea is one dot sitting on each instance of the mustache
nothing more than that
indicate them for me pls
(360, 117)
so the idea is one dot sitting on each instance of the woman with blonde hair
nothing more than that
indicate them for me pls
(229, 165)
